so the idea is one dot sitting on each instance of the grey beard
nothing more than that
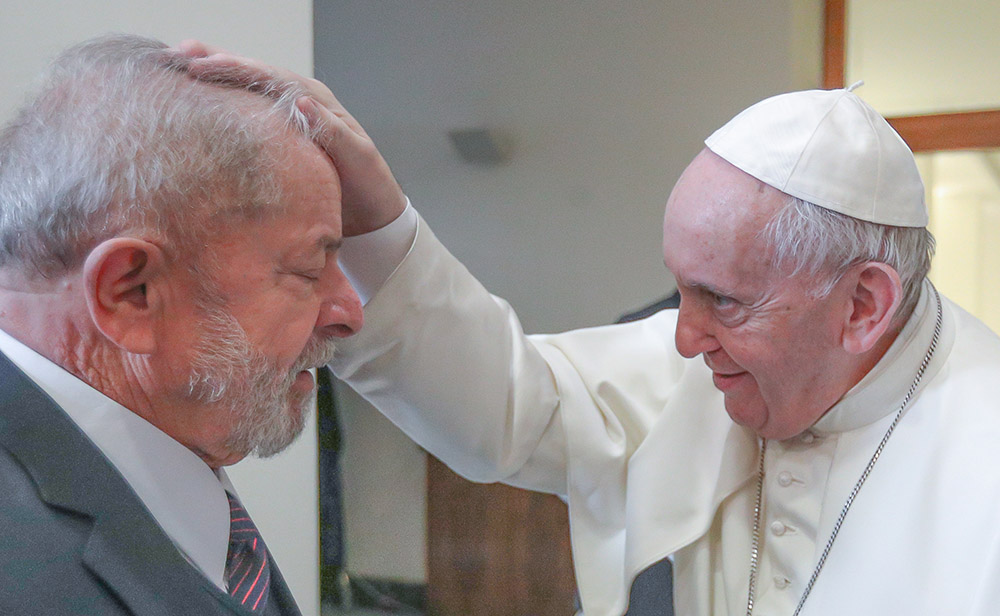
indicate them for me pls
(227, 372)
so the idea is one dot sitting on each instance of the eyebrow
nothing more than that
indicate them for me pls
(707, 288)
(700, 286)
(326, 244)
(330, 244)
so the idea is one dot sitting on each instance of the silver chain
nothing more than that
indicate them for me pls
(755, 544)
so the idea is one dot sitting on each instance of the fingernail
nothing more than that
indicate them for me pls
(191, 48)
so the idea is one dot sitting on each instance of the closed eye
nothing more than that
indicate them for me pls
(723, 301)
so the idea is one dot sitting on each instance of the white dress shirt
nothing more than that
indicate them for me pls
(184, 495)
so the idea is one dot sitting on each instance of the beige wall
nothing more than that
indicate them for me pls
(924, 56)
(280, 493)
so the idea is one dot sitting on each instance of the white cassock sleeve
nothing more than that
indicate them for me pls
(449, 364)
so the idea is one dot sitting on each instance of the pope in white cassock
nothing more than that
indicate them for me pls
(815, 430)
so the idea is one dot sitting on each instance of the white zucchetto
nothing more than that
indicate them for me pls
(830, 148)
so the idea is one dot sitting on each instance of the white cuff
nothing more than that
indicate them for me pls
(370, 258)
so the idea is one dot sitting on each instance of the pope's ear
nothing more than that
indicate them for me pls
(120, 277)
(876, 293)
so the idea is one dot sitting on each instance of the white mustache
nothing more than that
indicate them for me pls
(318, 353)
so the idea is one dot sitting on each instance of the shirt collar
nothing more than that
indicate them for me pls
(184, 495)
(881, 391)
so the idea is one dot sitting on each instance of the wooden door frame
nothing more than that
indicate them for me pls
(923, 133)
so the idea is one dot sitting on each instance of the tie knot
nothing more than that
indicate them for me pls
(248, 572)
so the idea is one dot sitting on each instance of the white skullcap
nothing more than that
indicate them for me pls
(829, 148)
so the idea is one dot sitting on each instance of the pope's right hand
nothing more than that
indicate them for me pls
(372, 198)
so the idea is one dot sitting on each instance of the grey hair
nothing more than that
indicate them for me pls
(120, 139)
(817, 242)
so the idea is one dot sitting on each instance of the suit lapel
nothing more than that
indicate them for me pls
(126, 548)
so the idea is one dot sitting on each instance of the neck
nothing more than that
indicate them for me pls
(869, 360)
(42, 314)
(51, 317)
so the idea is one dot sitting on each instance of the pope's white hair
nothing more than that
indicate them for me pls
(806, 239)
(120, 139)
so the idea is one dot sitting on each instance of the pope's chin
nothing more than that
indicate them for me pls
(745, 413)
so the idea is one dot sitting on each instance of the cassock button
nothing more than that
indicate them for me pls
(778, 528)
(784, 479)
(807, 437)
(781, 582)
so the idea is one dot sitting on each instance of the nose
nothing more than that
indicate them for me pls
(693, 335)
(340, 314)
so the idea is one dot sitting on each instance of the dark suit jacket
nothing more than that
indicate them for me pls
(74, 537)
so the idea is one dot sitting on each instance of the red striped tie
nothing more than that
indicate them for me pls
(248, 572)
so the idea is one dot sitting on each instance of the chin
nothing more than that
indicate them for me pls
(780, 432)
(270, 429)
(747, 416)
(282, 437)
(756, 419)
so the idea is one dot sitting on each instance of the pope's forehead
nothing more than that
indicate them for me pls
(713, 195)
(712, 234)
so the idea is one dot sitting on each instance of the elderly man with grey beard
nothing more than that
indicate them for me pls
(146, 219)
(813, 432)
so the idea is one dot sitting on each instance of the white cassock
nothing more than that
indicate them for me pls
(637, 440)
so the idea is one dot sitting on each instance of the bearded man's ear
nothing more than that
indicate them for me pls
(122, 277)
